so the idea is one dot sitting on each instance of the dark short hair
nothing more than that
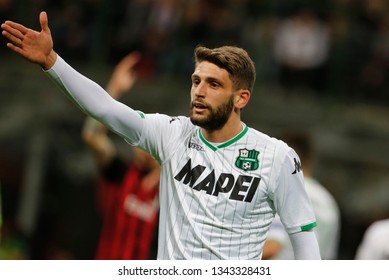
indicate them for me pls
(235, 60)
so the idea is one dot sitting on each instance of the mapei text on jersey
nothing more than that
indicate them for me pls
(242, 188)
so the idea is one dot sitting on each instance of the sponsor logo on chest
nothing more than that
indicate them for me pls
(239, 187)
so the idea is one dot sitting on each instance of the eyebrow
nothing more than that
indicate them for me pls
(208, 79)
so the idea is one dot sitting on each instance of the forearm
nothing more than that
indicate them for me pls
(305, 245)
(95, 101)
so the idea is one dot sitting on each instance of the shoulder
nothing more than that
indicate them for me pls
(170, 120)
(268, 142)
(376, 236)
(165, 123)
(379, 228)
(162, 117)
(277, 153)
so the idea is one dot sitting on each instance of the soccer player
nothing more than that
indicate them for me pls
(221, 181)
(128, 189)
(375, 242)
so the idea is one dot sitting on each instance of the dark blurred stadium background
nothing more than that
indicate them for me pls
(339, 94)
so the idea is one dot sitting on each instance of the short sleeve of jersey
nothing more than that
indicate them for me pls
(291, 199)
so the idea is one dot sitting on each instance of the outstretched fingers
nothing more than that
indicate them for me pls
(14, 42)
(15, 48)
(15, 29)
(15, 33)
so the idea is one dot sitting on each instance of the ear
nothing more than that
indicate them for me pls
(242, 98)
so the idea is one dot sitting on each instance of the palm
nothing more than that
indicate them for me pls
(32, 45)
(36, 46)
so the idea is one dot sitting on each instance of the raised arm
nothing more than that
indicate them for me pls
(94, 133)
(37, 47)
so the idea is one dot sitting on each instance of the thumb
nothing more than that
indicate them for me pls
(44, 22)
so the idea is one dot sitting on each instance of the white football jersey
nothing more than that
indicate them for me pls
(218, 200)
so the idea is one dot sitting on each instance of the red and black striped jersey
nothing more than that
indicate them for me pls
(130, 215)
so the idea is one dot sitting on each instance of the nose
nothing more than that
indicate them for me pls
(199, 90)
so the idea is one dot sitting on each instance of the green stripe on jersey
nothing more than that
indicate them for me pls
(141, 114)
(235, 139)
(225, 144)
(212, 147)
(309, 226)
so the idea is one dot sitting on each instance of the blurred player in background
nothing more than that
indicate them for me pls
(128, 189)
(375, 242)
(221, 181)
(325, 206)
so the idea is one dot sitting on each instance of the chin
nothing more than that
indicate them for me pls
(194, 119)
(197, 120)
(195, 116)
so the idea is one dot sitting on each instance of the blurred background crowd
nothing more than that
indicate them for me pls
(322, 66)
(345, 50)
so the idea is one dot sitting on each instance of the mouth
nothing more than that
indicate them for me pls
(199, 106)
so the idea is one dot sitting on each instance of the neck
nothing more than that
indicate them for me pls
(228, 131)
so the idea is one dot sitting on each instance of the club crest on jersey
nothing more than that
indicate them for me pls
(247, 160)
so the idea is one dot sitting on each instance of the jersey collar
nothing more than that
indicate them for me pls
(225, 144)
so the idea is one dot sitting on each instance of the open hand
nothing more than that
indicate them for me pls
(124, 75)
(35, 46)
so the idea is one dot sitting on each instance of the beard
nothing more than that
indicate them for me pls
(216, 118)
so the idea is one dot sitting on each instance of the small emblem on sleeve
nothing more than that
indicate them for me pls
(141, 114)
(172, 119)
(247, 160)
(297, 166)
